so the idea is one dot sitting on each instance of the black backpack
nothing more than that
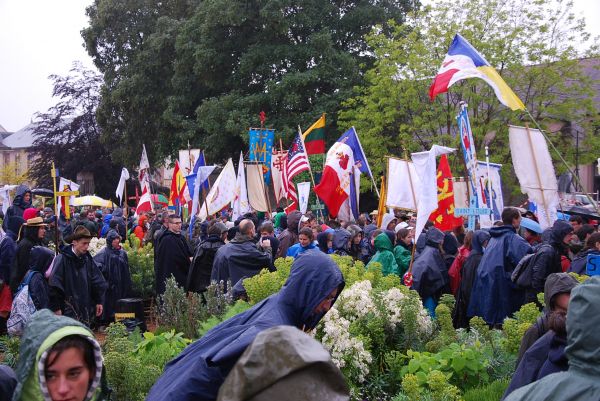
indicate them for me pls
(522, 275)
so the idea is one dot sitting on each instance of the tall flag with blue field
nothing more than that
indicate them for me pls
(462, 62)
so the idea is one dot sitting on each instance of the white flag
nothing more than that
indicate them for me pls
(240, 204)
(143, 171)
(122, 182)
(222, 191)
(278, 162)
(403, 184)
(535, 171)
(303, 194)
(427, 199)
(67, 186)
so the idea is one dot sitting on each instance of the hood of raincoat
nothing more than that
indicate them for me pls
(142, 220)
(479, 237)
(382, 243)
(500, 231)
(107, 218)
(110, 237)
(14, 224)
(283, 363)
(354, 230)
(560, 228)
(558, 283)
(583, 319)
(434, 237)
(41, 333)
(450, 244)
(322, 239)
(118, 212)
(385, 220)
(19, 194)
(292, 221)
(40, 258)
(341, 236)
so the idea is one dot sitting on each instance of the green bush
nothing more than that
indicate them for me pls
(515, 328)
(491, 392)
(141, 266)
(235, 309)
(9, 347)
(159, 349)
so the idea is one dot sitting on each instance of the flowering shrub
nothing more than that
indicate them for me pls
(96, 245)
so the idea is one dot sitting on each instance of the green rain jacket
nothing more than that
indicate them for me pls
(41, 333)
(283, 363)
(582, 381)
(402, 256)
(384, 255)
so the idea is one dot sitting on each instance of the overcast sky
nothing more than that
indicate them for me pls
(42, 37)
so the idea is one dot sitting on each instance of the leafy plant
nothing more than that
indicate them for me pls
(491, 392)
(160, 349)
(515, 328)
(9, 347)
(129, 378)
(231, 311)
(141, 266)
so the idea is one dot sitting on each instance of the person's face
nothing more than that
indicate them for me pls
(41, 232)
(516, 223)
(357, 238)
(68, 378)
(175, 225)
(391, 225)
(561, 302)
(116, 243)
(27, 197)
(576, 226)
(567, 238)
(408, 239)
(326, 304)
(265, 233)
(81, 245)
(304, 240)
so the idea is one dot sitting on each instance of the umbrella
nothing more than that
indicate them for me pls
(160, 199)
(583, 212)
(531, 225)
(48, 193)
(92, 200)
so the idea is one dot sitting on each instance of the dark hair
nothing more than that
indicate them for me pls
(584, 231)
(557, 322)
(592, 240)
(73, 341)
(267, 226)
(576, 219)
(468, 241)
(308, 232)
(279, 209)
(401, 234)
(173, 217)
(509, 214)
(375, 233)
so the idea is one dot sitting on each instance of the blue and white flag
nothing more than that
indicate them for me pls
(261, 148)
(194, 182)
(495, 200)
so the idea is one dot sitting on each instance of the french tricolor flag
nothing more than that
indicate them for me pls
(463, 61)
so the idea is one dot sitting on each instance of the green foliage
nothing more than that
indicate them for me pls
(141, 266)
(491, 392)
(129, 378)
(160, 349)
(9, 347)
(267, 283)
(231, 311)
(448, 300)
(515, 328)
(533, 46)
(447, 334)
(432, 386)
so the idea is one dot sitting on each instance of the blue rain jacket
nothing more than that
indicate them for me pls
(198, 372)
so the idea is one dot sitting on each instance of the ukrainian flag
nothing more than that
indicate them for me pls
(462, 62)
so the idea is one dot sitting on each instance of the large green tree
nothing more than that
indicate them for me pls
(535, 45)
(201, 71)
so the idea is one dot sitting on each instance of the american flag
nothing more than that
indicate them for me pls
(297, 162)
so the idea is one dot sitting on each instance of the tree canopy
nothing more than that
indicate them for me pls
(532, 44)
(201, 71)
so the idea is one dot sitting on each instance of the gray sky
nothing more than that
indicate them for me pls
(42, 37)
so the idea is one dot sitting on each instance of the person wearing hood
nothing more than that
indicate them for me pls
(59, 359)
(459, 261)
(403, 249)
(200, 270)
(173, 256)
(581, 382)
(33, 232)
(305, 242)
(467, 273)
(359, 249)
(39, 291)
(283, 363)
(114, 265)
(289, 236)
(141, 228)
(592, 247)
(77, 286)
(547, 259)
(197, 373)
(241, 257)
(117, 216)
(494, 296)
(105, 225)
(430, 275)
(388, 222)
(325, 241)
(341, 241)
(557, 291)
(384, 255)
(21, 202)
(450, 248)
(8, 252)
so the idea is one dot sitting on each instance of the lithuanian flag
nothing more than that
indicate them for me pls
(314, 137)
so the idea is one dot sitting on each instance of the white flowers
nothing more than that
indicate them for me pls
(356, 301)
(96, 244)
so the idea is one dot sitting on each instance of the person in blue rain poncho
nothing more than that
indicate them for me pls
(197, 373)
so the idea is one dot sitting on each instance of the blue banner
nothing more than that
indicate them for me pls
(468, 147)
(261, 147)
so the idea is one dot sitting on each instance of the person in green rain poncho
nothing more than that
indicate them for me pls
(384, 255)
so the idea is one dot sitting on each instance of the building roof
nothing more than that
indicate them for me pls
(23, 138)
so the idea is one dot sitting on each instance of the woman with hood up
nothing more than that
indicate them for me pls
(341, 241)
(39, 261)
(21, 202)
(197, 373)
(430, 275)
(325, 241)
(384, 255)
(114, 265)
(105, 225)
(592, 247)
(358, 246)
(467, 277)
(59, 359)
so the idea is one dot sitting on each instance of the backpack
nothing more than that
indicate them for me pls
(22, 308)
(522, 275)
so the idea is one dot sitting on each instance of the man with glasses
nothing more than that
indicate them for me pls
(173, 255)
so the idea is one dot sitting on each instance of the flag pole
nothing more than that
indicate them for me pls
(56, 212)
(124, 203)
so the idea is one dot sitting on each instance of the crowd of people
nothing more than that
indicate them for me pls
(491, 272)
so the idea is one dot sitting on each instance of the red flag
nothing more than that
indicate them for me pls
(443, 217)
